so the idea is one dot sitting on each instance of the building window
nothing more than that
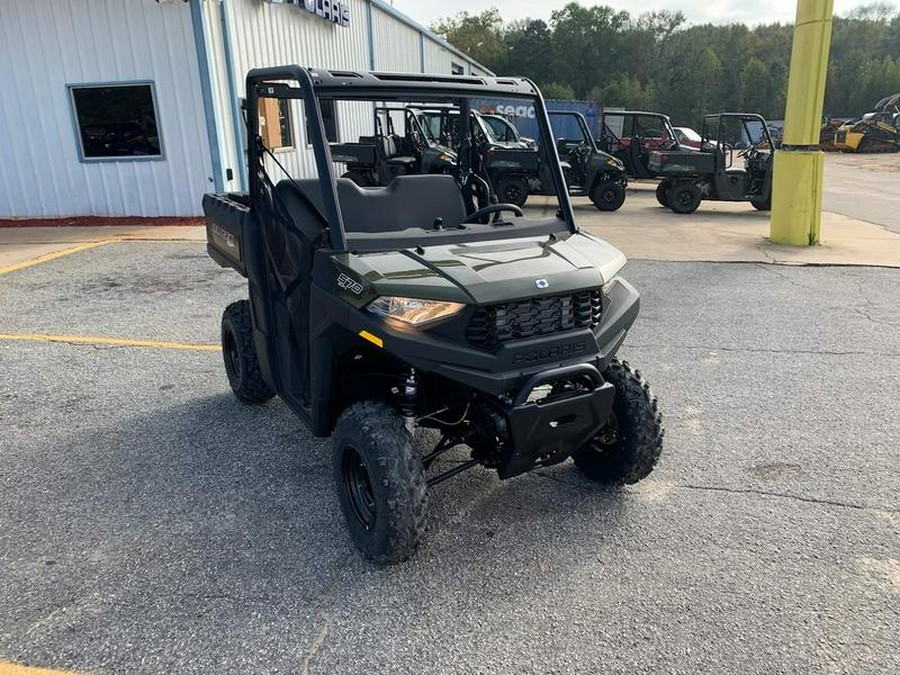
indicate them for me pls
(275, 123)
(329, 119)
(116, 121)
(456, 69)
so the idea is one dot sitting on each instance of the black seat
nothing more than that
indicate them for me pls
(407, 202)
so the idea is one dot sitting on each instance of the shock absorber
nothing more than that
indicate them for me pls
(408, 400)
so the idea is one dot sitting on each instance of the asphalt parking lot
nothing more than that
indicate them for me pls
(149, 523)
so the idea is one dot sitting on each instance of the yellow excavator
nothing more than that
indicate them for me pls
(877, 131)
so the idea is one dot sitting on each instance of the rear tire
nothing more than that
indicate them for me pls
(239, 352)
(380, 482)
(683, 198)
(513, 190)
(662, 193)
(628, 447)
(761, 204)
(608, 195)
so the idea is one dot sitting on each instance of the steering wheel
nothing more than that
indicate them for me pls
(493, 208)
(746, 152)
(419, 141)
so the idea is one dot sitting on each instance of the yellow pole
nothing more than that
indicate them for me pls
(797, 181)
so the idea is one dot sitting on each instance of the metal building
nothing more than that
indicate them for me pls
(129, 107)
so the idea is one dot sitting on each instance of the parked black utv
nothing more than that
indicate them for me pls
(690, 176)
(632, 136)
(590, 172)
(376, 313)
(378, 159)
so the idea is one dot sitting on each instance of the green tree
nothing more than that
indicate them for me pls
(625, 91)
(656, 60)
(557, 90)
(757, 88)
(478, 35)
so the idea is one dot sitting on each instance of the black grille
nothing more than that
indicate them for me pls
(494, 324)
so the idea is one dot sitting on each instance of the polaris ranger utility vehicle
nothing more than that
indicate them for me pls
(378, 159)
(631, 137)
(514, 172)
(590, 171)
(690, 176)
(376, 313)
(507, 166)
(506, 132)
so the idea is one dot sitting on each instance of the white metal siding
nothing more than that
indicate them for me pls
(46, 45)
(396, 44)
(267, 34)
(438, 59)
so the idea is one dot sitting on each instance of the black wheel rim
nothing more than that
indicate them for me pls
(608, 195)
(358, 485)
(512, 193)
(232, 354)
(685, 198)
(607, 438)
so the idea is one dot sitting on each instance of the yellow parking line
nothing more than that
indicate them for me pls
(15, 669)
(112, 342)
(53, 256)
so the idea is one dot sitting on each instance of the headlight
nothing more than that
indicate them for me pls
(412, 310)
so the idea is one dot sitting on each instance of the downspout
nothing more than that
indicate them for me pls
(422, 50)
(209, 109)
(371, 28)
(237, 118)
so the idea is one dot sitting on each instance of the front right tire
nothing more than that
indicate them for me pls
(627, 448)
(380, 482)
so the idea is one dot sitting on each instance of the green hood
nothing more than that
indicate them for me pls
(490, 272)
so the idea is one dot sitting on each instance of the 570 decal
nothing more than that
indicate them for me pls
(349, 284)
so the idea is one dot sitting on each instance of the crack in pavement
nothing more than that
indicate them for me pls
(749, 491)
(786, 495)
(326, 613)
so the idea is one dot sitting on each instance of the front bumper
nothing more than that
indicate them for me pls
(546, 432)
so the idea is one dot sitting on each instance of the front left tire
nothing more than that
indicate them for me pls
(608, 195)
(627, 448)
(512, 190)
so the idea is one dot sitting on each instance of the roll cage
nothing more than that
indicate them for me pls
(714, 129)
(310, 86)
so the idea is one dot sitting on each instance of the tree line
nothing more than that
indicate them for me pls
(657, 61)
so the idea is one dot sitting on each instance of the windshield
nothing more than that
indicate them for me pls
(687, 134)
(503, 130)
(408, 172)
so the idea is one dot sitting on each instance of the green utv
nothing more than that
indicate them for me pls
(519, 168)
(589, 172)
(421, 307)
(712, 172)
(378, 159)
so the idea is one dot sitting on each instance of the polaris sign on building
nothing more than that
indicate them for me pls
(331, 10)
(131, 108)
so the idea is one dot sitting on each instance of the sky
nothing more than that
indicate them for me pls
(697, 11)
